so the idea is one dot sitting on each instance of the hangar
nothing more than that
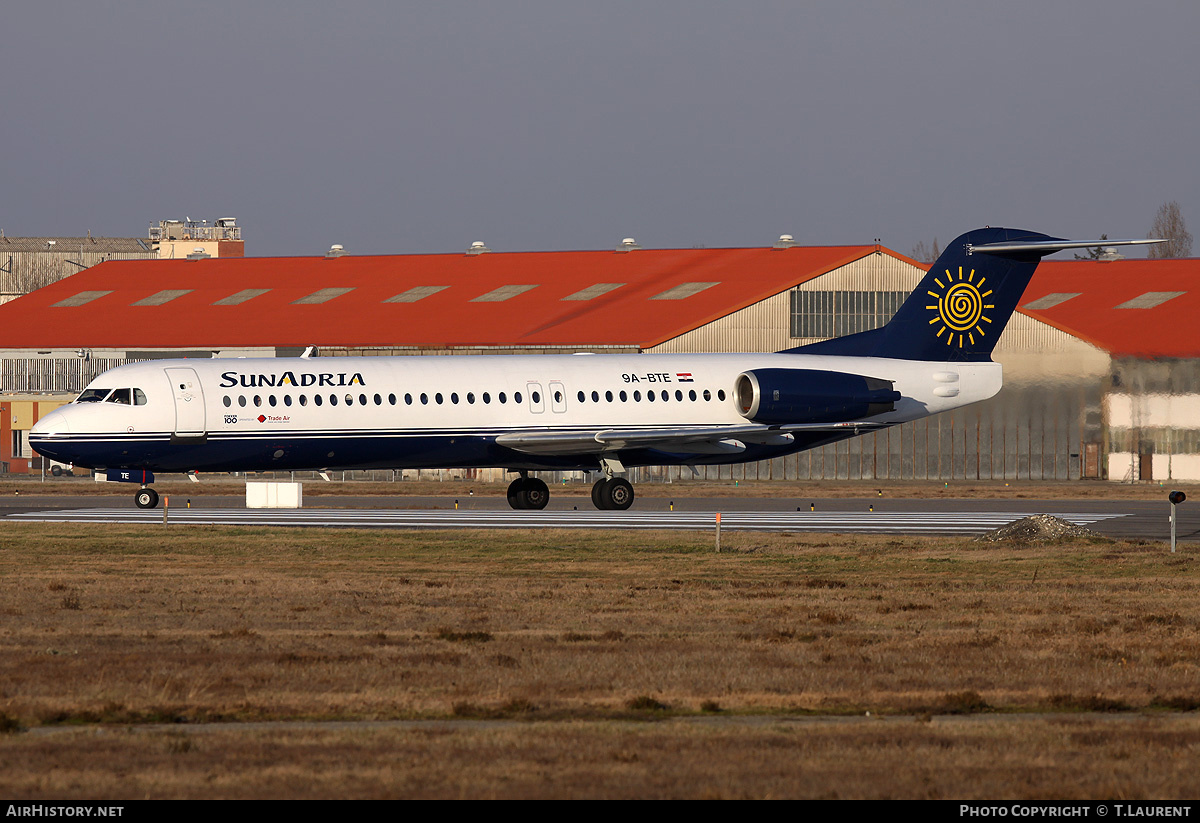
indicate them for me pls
(1101, 372)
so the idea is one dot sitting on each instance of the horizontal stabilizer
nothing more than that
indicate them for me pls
(1050, 246)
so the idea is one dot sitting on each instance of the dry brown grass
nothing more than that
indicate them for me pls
(987, 758)
(573, 633)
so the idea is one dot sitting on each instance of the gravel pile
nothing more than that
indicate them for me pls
(1037, 528)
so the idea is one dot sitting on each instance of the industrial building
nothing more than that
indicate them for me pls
(1101, 376)
(28, 263)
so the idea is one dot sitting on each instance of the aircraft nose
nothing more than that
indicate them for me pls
(52, 424)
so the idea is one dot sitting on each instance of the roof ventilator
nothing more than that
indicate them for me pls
(628, 244)
(336, 250)
(785, 241)
(478, 247)
(198, 253)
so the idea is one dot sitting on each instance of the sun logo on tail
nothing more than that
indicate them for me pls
(960, 307)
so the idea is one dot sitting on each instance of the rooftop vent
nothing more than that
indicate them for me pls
(478, 247)
(785, 241)
(198, 253)
(628, 244)
(336, 250)
(1109, 254)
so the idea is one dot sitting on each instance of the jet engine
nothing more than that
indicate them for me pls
(775, 396)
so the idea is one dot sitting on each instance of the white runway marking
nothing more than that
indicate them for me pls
(864, 522)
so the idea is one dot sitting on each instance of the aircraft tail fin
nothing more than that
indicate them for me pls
(963, 304)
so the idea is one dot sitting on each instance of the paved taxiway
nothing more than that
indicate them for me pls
(1125, 519)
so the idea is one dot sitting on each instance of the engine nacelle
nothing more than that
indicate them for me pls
(810, 396)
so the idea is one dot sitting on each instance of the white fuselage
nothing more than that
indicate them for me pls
(345, 412)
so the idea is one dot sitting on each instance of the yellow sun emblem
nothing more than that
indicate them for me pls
(960, 307)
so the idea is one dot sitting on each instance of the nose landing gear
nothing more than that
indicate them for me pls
(146, 498)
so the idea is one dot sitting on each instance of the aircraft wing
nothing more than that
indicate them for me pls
(677, 440)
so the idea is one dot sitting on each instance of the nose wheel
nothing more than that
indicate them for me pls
(614, 493)
(146, 498)
(528, 493)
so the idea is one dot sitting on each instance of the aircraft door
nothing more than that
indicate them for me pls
(558, 397)
(537, 403)
(189, 402)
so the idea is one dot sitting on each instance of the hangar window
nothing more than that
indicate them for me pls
(837, 313)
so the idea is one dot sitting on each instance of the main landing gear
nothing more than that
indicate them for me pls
(612, 493)
(528, 493)
(146, 498)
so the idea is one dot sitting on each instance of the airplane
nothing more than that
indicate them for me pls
(581, 411)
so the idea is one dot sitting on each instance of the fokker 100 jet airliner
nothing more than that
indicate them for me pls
(528, 413)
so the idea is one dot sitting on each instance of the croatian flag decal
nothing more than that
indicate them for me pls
(684, 377)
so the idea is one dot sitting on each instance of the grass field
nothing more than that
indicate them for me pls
(574, 663)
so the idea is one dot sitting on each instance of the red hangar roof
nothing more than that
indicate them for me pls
(636, 298)
(1129, 308)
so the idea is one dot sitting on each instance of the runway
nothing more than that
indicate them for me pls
(894, 522)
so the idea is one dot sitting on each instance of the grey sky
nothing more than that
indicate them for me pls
(419, 127)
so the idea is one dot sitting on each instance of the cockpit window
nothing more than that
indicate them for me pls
(121, 396)
(139, 397)
(92, 395)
